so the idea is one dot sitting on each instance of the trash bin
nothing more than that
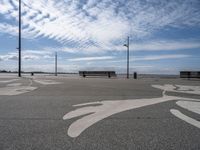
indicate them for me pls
(84, 74)
(135, 75)
(109, 75)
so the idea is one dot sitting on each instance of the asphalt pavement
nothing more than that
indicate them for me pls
(74, 113)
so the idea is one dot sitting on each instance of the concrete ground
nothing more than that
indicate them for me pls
(39, 113)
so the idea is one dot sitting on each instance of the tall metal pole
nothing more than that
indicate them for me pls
(56, 64)
(128, 57)
(19, 46)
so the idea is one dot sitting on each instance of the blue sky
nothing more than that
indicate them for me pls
(90, 34)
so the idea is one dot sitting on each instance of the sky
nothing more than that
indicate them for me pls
(90, 34)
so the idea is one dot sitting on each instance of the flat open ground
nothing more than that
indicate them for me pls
(44, 112)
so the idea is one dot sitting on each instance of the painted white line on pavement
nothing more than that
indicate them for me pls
(16, 90)
(190, 105)
(14, 84)
(8, 81)
(185, 118)
(46, 82)
(31, 82)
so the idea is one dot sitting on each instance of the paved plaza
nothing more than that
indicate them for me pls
(45, 112)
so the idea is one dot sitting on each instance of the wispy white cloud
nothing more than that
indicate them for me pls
(99, 23)
(165, 45)
(27, 55)
(50, 67)
(156, 45)
(9, 56)
(153, 58)
(159, 57)
(92, 58)
(9, 29)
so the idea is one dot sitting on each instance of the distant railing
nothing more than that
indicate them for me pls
(190, 74)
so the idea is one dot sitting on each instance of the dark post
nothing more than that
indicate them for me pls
(19, 47)
(127, 45)
(135, 75)
(109, 75)
(56, 64)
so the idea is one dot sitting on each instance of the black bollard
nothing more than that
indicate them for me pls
(135, 75)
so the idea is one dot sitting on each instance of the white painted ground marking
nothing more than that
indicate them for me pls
(190, 105)
(179, 88)
(104, 109)
(46, 82)
(187, 87)
(185, 118)
(16, 89)
(14, 84)
(31, 82)
(8, 81)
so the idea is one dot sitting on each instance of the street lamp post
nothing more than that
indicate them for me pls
(56, 64)
(127, 45)
(19, 46)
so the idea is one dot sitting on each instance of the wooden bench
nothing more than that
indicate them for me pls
(190, 74)
(109, 74)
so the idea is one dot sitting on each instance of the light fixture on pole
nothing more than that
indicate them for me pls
(127, 45)
(19, 46)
